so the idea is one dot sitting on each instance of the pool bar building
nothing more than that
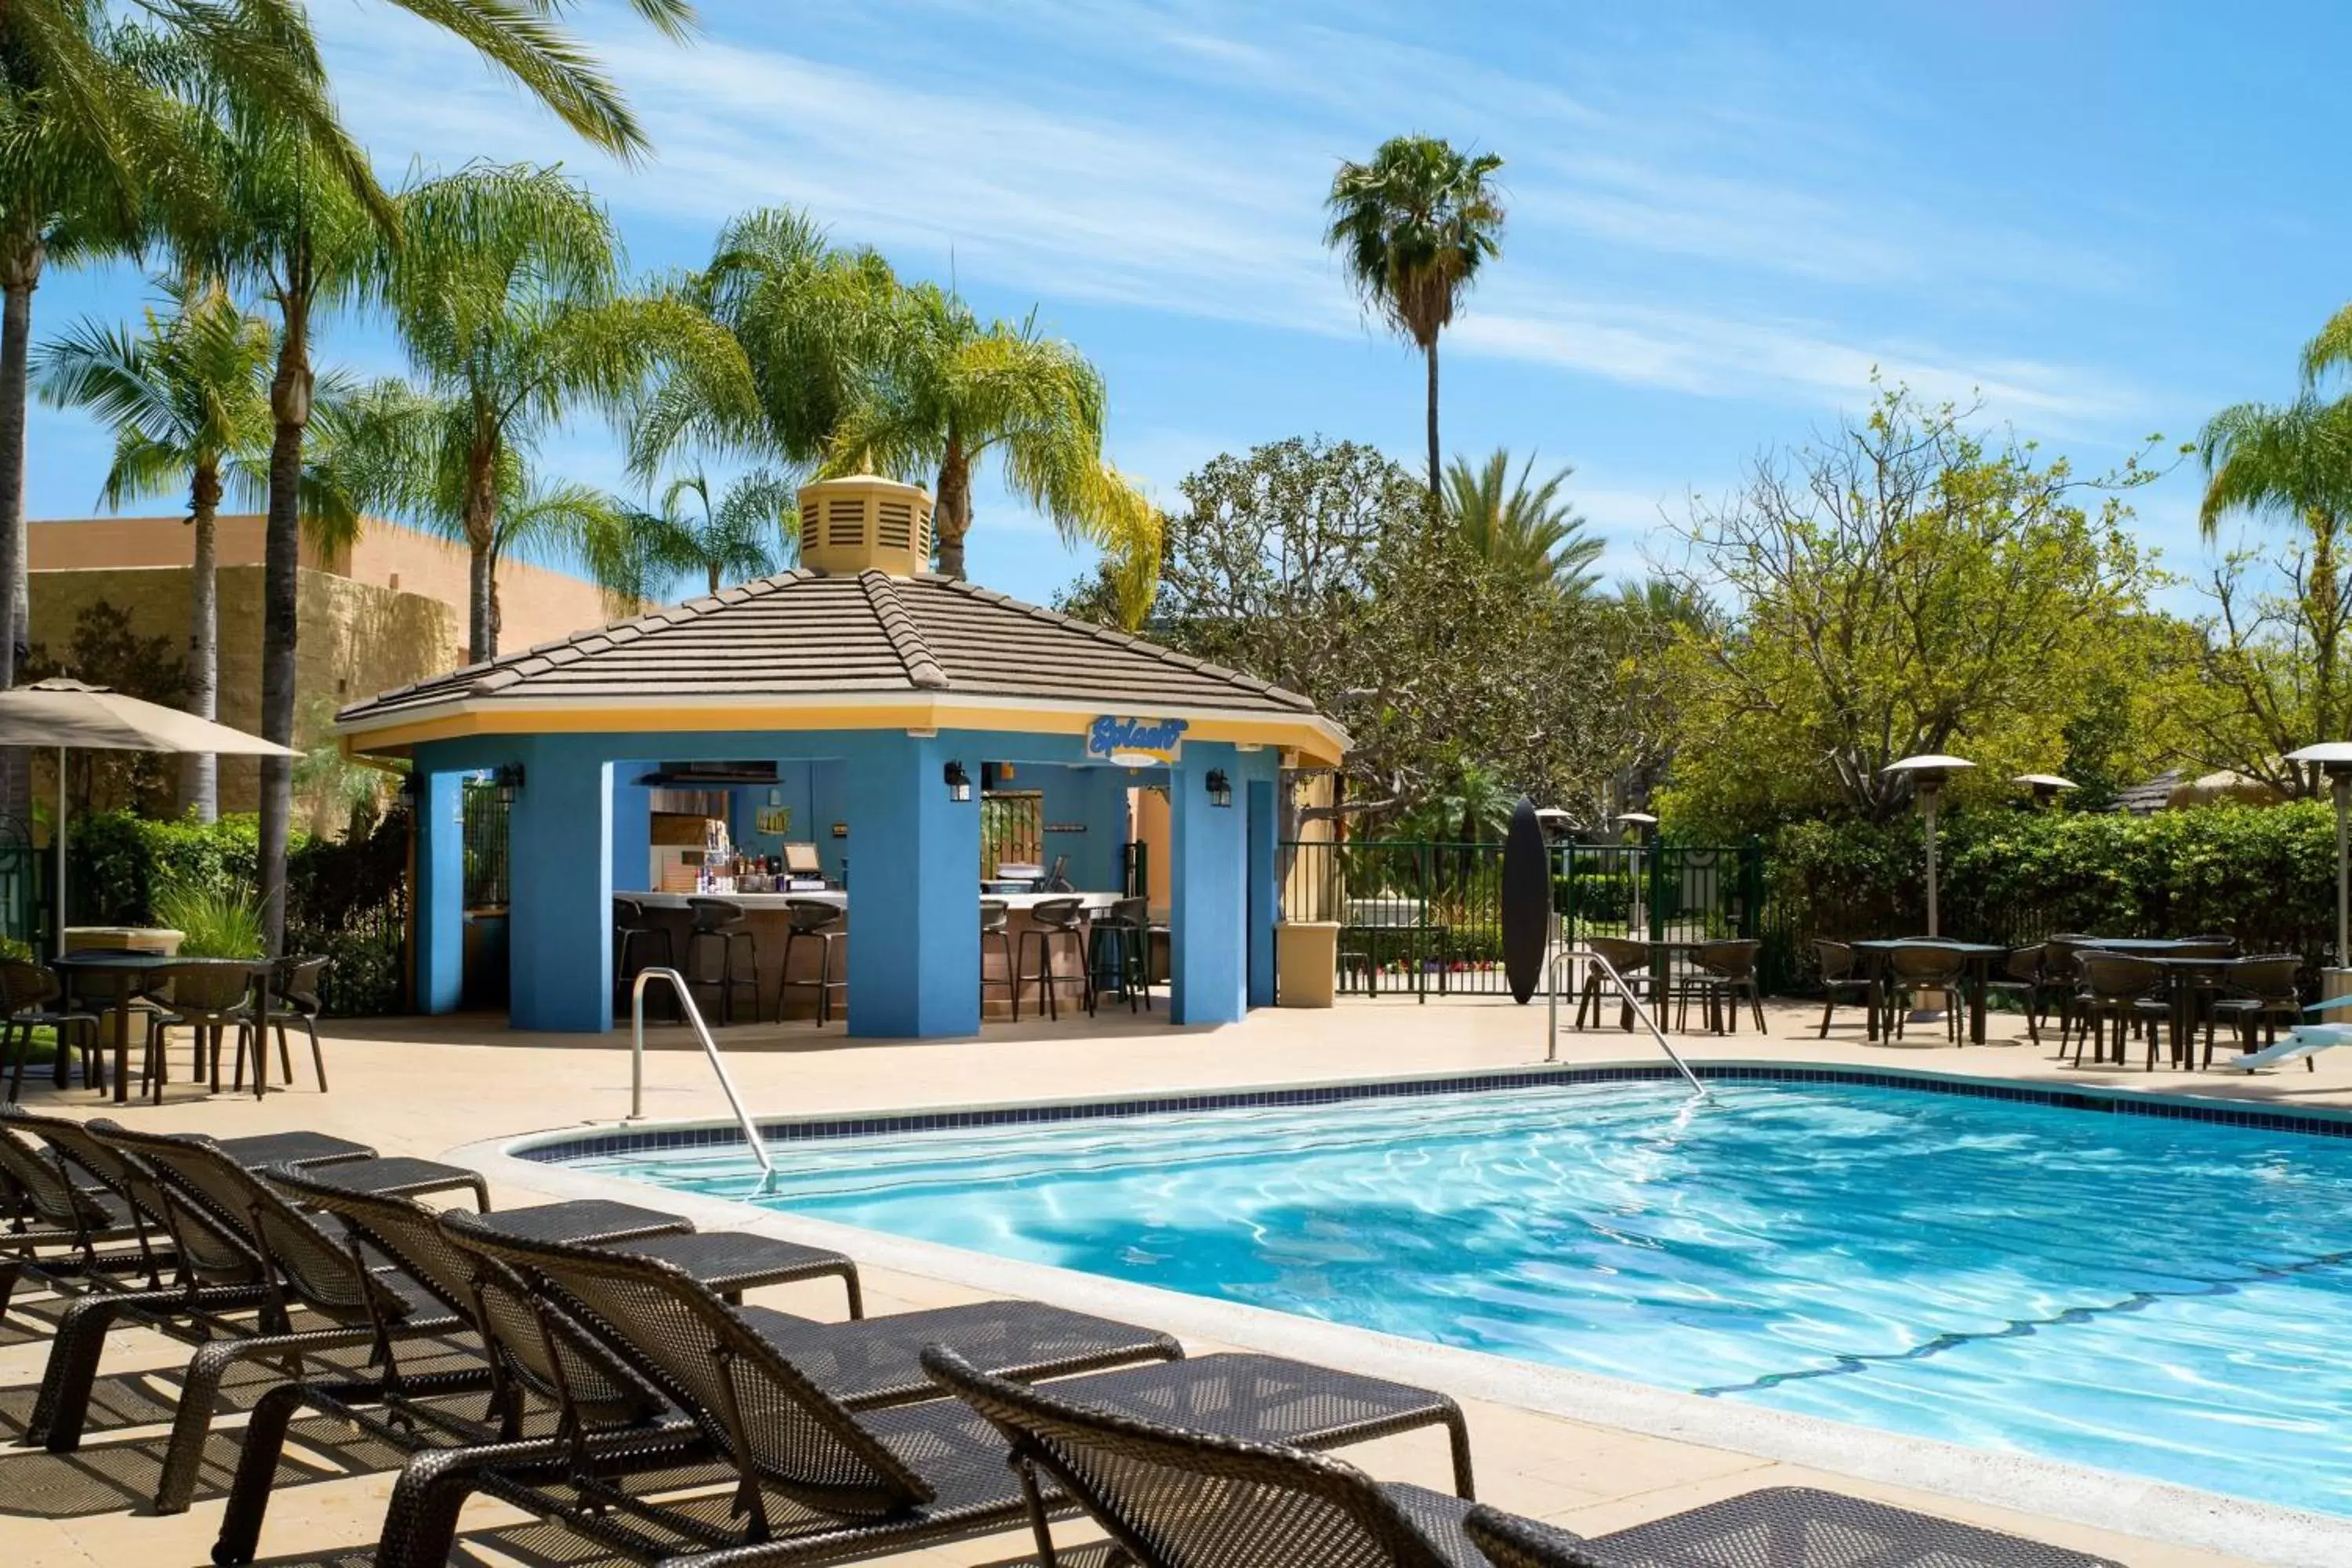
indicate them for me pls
(852, 710)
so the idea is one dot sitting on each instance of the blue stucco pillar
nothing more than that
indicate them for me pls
(1265, 891)
(440, 891)
(914, 889)
(1208, 904)
(633, 830)
(560, 886)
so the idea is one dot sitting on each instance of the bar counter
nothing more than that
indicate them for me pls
(767, 916)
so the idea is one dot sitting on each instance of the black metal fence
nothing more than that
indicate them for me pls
(1425, 916)
(484, 837)
(348, 900)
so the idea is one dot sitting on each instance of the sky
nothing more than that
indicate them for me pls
(2102, 220)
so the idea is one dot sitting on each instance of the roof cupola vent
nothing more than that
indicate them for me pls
(863, 523)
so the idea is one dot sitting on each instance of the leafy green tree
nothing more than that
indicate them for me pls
(1526, 528)
(186, 397)
(1412, 227)
(509, 296)
(950, 393)
(1901, 586)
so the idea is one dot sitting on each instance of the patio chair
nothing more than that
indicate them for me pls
(996, 926)
(2257, 993)
(1721, 973)
(1173, 1497)
(1777, 1527)
(1841, 970)
(2062, 981)
(833, 1436)
(817, 921)
(1053, 921)
(2020, 977)
(205, 999)
(30, 998)
(1632, 961)
(296, 996)
(1119, 950)
(59, 1221)
(724, 922)
(2121, 990)
(1914, 968)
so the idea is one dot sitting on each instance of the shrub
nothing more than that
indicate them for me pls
(117, 863)
(214, 921)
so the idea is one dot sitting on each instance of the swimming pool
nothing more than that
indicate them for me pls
(2166, 1298)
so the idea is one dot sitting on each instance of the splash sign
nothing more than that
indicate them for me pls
(1134, 743)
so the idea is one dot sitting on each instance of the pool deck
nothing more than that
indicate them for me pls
(428, 1086)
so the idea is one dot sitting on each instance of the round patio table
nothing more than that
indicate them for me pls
(1981, 957)
(2182, 979)
(106, 961)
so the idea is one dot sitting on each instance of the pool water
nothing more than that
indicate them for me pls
(2167, 1298)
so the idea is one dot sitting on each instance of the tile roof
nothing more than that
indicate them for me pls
(804, 634)
(2153, 795)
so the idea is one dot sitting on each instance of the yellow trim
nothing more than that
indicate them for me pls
(1314, 738)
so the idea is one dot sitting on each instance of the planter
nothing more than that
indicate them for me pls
(1306, 962)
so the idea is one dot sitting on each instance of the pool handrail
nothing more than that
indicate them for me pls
(709, 1049)
(1632, 1004)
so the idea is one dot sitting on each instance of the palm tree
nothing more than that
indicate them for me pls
(2294, 460)
(508, 296)
(749, 531)
(1530, 533)
(187, 399)
(1412, 227)
(950, 393)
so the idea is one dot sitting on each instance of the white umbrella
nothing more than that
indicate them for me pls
(70, 715)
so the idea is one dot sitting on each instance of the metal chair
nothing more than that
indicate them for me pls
(2021, 976)
(1722, 972)
(631, 931)
(27, 991)
(1915, 968)
(205, 998)
(721, 920)
(296, 997)
(813, 920)
(1841, 970)
(1119, 944)
(2257, 993)
(996, 922)
(1050, 921)
(1631, 961)
(2121, 990)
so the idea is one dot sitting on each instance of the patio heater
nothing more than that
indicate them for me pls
(1638, 824)
(2045, 787)
(1928, 773)
(2333, 758)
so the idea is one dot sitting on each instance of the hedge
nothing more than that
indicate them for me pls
(2264, 875)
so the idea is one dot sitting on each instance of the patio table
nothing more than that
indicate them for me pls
(2180, 979)
(1982, 956)
(99, 961)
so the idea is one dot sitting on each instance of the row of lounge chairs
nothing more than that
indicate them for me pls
(593, 1365)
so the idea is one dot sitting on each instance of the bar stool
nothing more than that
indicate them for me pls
(1119, 944)
(811, 919)
(721, 920)
(631, 928)
(996, 921)
(1048, 920)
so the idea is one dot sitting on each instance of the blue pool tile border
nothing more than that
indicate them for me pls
(560, 1150)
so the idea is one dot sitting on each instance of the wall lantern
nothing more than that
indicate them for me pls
(959, 783)
(1221, 788)
(509, 782)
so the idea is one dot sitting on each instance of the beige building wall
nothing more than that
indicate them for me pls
(388, 611)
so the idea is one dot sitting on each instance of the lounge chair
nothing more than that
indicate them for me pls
(1778, 1527)
(60, 1217)
(802, 1417)
(272, 1257)
(1173, 1497)
(397, 1228)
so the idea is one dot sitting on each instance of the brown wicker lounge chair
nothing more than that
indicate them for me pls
(60, 1216)
(1173, 1497)
(1778, 1527)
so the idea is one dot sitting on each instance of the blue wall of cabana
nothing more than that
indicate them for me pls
(579, 828)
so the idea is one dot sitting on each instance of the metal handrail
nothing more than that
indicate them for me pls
(1633, 1003)
(710, 1048)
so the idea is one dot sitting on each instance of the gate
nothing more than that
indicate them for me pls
(1425, 916)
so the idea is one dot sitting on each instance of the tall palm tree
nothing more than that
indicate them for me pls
(187, 398)
(2292, 460)
(1413, 228)
(749, 530)
(509, 296)
(950, 393)
(1528, 531)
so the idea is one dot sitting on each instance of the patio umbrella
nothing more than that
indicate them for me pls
(72, 716)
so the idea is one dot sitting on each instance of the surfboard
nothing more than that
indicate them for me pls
(1525, 900)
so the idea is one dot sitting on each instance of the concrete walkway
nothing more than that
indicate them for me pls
(426, 1085)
